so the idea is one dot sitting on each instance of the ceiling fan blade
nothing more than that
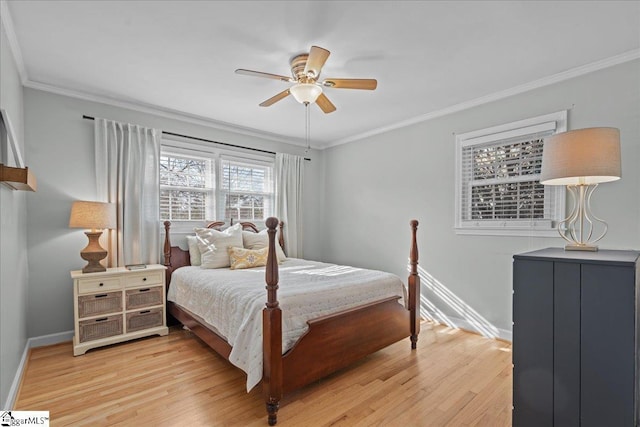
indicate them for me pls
(317, 57)
(266, 75)
(324, 104)
(367, 84)
(275, 99)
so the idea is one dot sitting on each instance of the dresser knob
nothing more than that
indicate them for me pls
(144, 279)
(101, 284)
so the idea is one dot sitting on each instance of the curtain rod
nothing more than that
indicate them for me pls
(164, 132)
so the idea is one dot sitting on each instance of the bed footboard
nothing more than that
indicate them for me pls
(340, 338)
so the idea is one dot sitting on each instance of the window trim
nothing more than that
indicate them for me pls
(518, 227)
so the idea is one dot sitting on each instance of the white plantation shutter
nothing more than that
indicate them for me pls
(246, 189)
(186, 187)
(498, 184)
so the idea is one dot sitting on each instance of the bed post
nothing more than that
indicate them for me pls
(167, 253)
(414, 287)
(272, 332)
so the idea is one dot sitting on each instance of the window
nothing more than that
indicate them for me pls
(199, 184)
(186, 187)
(247, 190)
(498, 171)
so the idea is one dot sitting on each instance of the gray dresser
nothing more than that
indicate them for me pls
(575, 338)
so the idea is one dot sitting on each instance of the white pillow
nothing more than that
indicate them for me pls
(194, 251)
(213, 245)
(251, 240)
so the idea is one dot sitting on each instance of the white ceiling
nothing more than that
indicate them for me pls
(428, 57)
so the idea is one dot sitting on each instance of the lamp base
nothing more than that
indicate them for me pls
(589, 248)
(579, 225)
(93, 253)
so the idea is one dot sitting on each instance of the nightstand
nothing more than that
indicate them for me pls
(118, 305)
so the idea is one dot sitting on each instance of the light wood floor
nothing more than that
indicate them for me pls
(455, 378)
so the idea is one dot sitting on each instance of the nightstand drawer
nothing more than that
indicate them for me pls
(142, 279)
(96, 285)
(144, 297)
(144, 319)
(102, 327)
(96, 304)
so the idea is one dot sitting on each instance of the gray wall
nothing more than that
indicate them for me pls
(60, 146)
(380, 183)
(13, 234)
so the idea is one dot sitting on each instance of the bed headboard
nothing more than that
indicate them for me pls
(176, 257)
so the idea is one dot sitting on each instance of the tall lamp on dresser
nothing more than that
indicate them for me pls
(581, 159)
(575, 310)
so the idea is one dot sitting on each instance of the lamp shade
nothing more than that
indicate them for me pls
(583, 156)
(305, 92)
(93, 215)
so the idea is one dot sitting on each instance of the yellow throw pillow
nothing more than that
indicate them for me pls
(247, 258)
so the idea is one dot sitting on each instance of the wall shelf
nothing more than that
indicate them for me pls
(18, 178)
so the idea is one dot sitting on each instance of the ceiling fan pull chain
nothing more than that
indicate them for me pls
(307, 127)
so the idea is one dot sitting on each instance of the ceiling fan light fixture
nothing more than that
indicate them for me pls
(305, 92)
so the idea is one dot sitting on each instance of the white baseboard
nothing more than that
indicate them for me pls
(502, 334)
(32, 343)
(50, 339)
(13, 391)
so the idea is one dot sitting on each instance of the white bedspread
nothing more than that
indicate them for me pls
(232, 301)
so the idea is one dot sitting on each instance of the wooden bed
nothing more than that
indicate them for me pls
(331, 343)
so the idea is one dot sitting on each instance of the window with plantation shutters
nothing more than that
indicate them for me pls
(186, 187)
(497, 184)
(246, 189)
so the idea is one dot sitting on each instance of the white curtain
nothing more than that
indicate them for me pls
(127, 173)
(289, 183)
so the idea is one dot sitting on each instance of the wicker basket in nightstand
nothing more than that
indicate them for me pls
(118, 305)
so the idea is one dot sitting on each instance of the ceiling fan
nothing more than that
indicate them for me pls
(305, 69)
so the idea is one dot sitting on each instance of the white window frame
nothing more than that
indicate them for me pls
(554, 196)
(185, 146)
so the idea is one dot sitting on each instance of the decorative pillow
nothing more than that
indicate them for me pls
(194, 251)
(213, 245)
(247, 258)
(251, 240)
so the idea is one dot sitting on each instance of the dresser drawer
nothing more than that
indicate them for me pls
(144, 297)
(102, 327)
(143, 279)
(144, 319)
(86, 286)
(97, 304)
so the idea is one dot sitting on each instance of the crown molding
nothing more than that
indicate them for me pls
(546, 81)
(7, 23)
(163, 112)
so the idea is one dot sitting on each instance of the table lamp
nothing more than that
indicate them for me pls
(95, 216)
(581, 159)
